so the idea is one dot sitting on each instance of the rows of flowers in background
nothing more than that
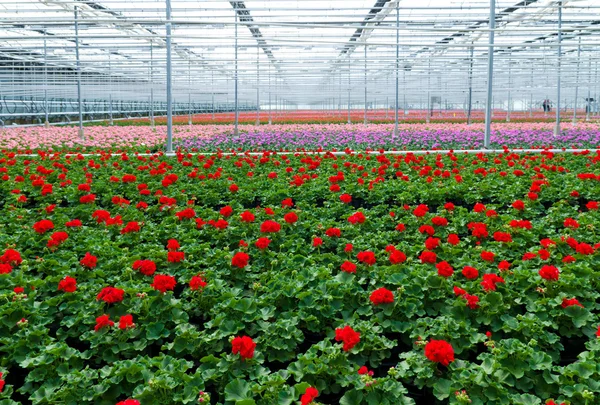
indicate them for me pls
(287, 278)
(266, 137)
(335, 116)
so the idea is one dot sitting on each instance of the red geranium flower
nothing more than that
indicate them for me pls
(226, 211)
(103, 321)
(348, 267)
(317, 242)
(75, 223)
(470, 272)
(146, 267)
(240, 259)
(571, 223)
(453, 239)
(43, 226)
(262, 243)
(126, 321)
(421, 210)
(488, 256)
(549, 273)
(472, 301)
(366, 257)
(444, 269)
(163, 283)
(333, 232)
(11, 257)
(397, 257)
(87, 199)
(175, 257)
(432, 243)
(309, 396)
(290, 217)
(357, 218)
(348, 336)
(197, 282)
(270, 226)
(247, 216)
(502, 237)
(518, 205)
(439, 351)
(132, 226)
(243, 345)
(490, 280)
(57, 238)
(173, 245)
(428, 257)
(382, 296)
(110, 295)
(346, 198)
(187, 213)
(570, 302)
(68, 284)
(129, 402)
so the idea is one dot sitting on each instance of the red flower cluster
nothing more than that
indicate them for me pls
(132, 226)
(549, 273)
(348, 336)
(126, 321)
(110, 295)
(68, 284)
(57, 238)
(247, 216)
(270, 226)
(89, 261)
(444, 269)
(366, 257)
(240, 260)
(567, 302)
(290, 217)
(11, 257)
(103, 321)
(163, 283)
(490, 280)
(470, 272)
(129, 402)
(439, 351)
(309, 396)
(244, 346)
(175, 257)
(348, 267)
(428, 257)
(43, 226)
(397, 257)
(357, 218)
(382, 296)
(197, 282)
(146, 267)
(262, 243)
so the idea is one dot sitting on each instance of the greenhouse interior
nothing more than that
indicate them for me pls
(300, 202)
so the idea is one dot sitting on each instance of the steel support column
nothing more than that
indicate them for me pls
(488, 104)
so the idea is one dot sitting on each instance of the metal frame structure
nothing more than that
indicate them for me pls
(71, 61)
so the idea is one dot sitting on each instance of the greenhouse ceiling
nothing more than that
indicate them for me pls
(306, 53)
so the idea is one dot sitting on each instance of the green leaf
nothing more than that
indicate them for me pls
(300, 388)
(237, 390)
(352, 397)
(441, 389)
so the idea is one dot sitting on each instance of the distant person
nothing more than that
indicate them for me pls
(545, 105)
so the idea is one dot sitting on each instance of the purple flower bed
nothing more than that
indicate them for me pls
(410, 136)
